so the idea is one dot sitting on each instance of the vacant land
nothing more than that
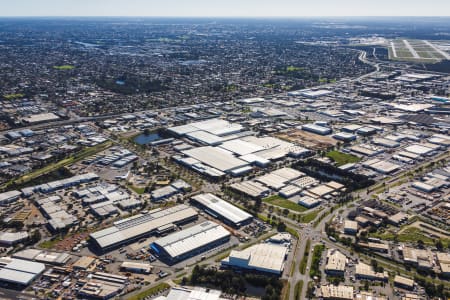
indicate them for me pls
(13, 96)
(150, 292)
(64, 67)
(304, 261)
(281, 202)
(306, 218)
(308, 139)
(342, 158)
(298, 290)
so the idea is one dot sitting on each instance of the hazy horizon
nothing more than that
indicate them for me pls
(226, 9)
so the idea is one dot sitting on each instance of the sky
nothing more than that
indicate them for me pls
(225, 8)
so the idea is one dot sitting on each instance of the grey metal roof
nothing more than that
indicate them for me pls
(141, 224)
(222, 208)
(192, 238)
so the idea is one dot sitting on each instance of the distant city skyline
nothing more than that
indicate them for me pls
(224, 8)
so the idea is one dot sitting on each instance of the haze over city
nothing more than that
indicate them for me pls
(230, 8)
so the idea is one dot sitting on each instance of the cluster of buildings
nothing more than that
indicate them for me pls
(225, 148)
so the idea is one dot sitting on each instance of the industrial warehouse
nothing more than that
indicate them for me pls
(190, 242)
(222, 210)
(264, 258)
(19, 272)
(227, 149)
(140, 225)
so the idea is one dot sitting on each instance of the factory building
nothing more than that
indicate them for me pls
(222, 210)
(316, 129)
(336, 292)
(141, 225)
(8, 197)
(403, 282)
(350, 227)
(19, 272)
(190, 242)
(134, 267)
(366, 272)
(336, 262)
(197, 293)
(264, 258)
(344, 136)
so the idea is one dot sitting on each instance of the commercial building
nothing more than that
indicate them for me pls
(12, 238)
(383, 167)
(336, 262)
(41, 118)
(216, 127)
(197, 293)
(216, 158)
(222, 210)
(134, 267)
(419, 150)
(420, 258)
(344, 136)
(8, 197)
(313, 93)
(316, 129)
(336, 292)
(84, 263)
(307, 201)
(366, 272)
(190, 242)
(19, 272)
(265, 258)
(398, 219)
(443, 260)
(370, 296)
(403, 282)
(140, 225)
(350, 227)
(42, 256)
(103, 286)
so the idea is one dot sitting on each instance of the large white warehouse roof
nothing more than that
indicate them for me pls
(195, 237)
(19, 271)
(222, 208)
(141, 224)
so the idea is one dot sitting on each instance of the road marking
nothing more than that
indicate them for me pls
(441, 52)
(394, 51)
(411, 49)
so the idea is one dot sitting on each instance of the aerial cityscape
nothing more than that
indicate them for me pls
(150, 155)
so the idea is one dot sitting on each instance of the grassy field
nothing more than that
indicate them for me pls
(409, 235)
(306, 218)
(317, 254)
(304, 261)
(13, 96)
(298, 290)
(281, 202)
(50, 243)
(64, 67)
(293, 232)
(293, 69)
(342, 158)
(150, 292)
(137, 190)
